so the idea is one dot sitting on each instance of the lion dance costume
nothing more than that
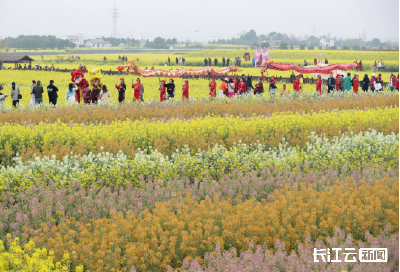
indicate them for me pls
(95, 83)
(95, 78)
(79, 79)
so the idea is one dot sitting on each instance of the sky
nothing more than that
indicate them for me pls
(213, 19)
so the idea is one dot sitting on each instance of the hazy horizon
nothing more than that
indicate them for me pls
(213, 19)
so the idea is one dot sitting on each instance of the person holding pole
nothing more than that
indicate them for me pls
(337, 82)
(121, 90)
(296, 84)
(170, 88)
(162, 88)
(137, 87)
(331, 83)
(185, 90)
(355, 83)
(213, 86)
(318, 81)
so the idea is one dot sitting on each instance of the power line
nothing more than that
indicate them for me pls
(115, 16)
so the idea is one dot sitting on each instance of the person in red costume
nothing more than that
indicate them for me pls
(213, 86)
(185, 89)
(78, 78)
(162, 88)
(242, 87)
(397, 82)
(296, 84)
(273, 78)
(337, 81)
(319, 84)
(355, 84)
(137, 88)
(235, 81)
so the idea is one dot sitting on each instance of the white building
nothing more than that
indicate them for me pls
(326, 43)
(97, 43)
(76, 39)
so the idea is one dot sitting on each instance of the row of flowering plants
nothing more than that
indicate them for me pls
(48, 139)
(103, 113)
(353, 150)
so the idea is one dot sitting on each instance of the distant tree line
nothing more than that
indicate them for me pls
(284, 41)
(38, 42)
(119, 41)
(160, 43)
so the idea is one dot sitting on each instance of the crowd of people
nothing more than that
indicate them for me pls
(229, 87)
(347, 83)
(123, 58)
(35, 67)
(225, 62)
(380, 66)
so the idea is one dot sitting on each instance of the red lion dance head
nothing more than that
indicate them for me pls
(78, 78)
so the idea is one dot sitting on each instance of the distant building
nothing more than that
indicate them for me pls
(76, 39)
(97, 43)
(170, 46)
(326, 43)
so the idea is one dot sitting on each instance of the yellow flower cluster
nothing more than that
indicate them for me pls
(31, 258)
(200, 133)
(184, 228)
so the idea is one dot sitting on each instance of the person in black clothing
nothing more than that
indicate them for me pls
(331, 83)
(249, 85)
(52, 92)
(360, 64)
(169, 61)
(223, 61)
(176, 59)
(292, 77)
(326, 61)
(25, 67)
(29, 66)
(365, 83)
(121, 90)
(170, 89)
(215, 62)
(119, 57)
(20, 66)
(183, 61)
(227, 62)
(205, 62)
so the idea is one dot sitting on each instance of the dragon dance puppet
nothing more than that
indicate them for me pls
(79, 79)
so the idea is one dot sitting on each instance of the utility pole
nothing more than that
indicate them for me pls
(315, 32)
(115, 16)
(365, 37)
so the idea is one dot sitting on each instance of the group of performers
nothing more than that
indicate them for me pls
(91, 90)
(167, 90)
